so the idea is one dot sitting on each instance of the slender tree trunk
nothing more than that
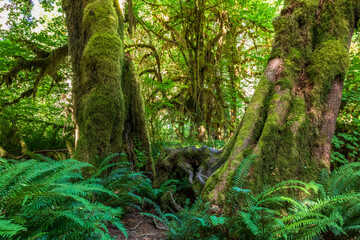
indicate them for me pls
(291, 118)
(135, 134)
(99, 84)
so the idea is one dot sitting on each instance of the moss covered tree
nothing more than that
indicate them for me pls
(108, 108)
(291, 118)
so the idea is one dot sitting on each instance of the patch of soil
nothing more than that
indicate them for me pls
(139, 227)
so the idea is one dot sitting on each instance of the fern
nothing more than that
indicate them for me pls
(193, 222)
(8, 229)
(242, 172)
(107, 165)
(51, 199)
(239, 180)
(344, 179)
(260, 216)
(334, 211)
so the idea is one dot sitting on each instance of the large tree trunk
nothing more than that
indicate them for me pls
(291, 118)
(96, 47)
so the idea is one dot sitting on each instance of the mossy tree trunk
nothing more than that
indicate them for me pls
(291, 117)
(135, 135)
(96, 47)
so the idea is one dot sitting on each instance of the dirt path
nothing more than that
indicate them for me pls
(139, 228)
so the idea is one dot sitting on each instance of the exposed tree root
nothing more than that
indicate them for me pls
(194, 164)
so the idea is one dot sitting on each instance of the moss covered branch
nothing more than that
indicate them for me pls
(44, 63)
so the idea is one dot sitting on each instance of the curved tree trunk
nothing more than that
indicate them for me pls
(291, 118)
(96, 47)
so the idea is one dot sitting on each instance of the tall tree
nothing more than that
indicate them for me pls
(104, 93)
(291, 117)
(107, 105)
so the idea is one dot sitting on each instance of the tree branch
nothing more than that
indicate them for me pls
(46, 62)
(156, 55)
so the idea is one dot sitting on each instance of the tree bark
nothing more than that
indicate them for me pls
(291, 117)
(135, 134)
(96, 47)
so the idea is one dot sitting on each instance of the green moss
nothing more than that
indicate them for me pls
(99, 117)
(135, 123)
(329, 60)
(293, 29)
(286, 83)
(101, 107)
(278, 125)
(213, 191)
(278, 109)
(298, 111)
(218, 183)
(336, 17)
(284, 27)
(101, 16)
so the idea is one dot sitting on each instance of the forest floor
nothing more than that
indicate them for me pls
(140, 227)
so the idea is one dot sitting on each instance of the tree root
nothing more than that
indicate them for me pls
(177, 207)
(137, 225)
(194, 164)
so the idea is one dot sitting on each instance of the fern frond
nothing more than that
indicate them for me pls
(52, 199)
(290, 184)
(322, 226)
(344, 179)
(246, 218)
(279, 200)
(8, 229)
(242, 171)
(105, 164)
